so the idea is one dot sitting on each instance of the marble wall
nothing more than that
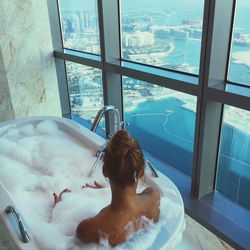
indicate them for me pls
(6, 109)
(28, 81)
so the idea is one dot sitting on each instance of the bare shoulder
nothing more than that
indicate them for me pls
(151, 202)
(87, 231)
(152, 192)
(151, 195)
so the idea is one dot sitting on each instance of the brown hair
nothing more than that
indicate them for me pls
(123, 159)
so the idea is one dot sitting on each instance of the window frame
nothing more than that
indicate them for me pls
(210, 88)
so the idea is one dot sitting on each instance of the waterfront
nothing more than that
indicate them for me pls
(165, 128)
(163, 120)
(175, 25)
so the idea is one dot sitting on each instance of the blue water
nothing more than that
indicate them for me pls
(185, 52)
(233, 177)
(168, 137)
(174, 145)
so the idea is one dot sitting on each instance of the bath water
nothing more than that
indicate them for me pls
(38, 160)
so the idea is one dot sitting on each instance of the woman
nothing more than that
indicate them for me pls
(123, 166)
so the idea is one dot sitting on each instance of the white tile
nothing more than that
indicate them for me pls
(196, 237)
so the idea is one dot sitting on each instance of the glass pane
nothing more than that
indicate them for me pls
(233, 177)
(79, 22)
(85, 90)
(240, 53)
(162, 120)
(163, 33)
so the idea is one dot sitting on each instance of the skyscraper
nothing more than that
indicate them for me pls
(83, 19)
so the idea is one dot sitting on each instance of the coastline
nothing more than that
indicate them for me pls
(187, 103)
(236, 118)
(159, 54)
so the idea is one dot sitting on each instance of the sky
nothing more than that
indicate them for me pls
(72, 5)
(91, 5)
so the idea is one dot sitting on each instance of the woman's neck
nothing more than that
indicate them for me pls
(122, 196)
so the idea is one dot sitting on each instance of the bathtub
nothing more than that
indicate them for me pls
(82, 145)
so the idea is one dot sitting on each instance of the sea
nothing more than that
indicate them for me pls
(167, 130)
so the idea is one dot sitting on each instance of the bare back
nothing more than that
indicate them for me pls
(112, 223)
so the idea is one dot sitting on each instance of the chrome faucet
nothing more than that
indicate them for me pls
(102, 112)
(149, 165)
(23, 231)
(117, 126)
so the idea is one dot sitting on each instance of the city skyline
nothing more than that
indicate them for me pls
(141, 41)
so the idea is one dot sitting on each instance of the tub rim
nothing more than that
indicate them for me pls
(96, 141)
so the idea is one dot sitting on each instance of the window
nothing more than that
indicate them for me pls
(162, 120)
(240, 52)
(152, 53)
(163, 33)
(79, 24)
(234, 158)
(85, 90)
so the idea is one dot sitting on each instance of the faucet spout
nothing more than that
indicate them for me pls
(117, 126)
(153, 170)
(102, 112)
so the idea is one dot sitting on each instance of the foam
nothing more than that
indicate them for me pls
(15, 151)
(47, 127)
(27, 130)
(37, 160)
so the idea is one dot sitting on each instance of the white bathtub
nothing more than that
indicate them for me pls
(168, 236)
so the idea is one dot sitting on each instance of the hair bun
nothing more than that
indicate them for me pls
(123, 159)
(121, 143)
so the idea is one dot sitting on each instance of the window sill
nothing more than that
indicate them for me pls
(179, 76)
(230, 94)
(166, 78)
(85, 123)
(87, 59)
(236, 89)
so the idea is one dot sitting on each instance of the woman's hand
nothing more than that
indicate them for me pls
(95, 185)
(58, 198)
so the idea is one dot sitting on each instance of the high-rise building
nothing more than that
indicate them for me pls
(139, 39)
(70, 22)
(83, 19)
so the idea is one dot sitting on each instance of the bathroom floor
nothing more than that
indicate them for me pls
(195, 237)
(4, 244)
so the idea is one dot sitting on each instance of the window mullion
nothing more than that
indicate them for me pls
(110, 49)
(213, 67)
(60, 64)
